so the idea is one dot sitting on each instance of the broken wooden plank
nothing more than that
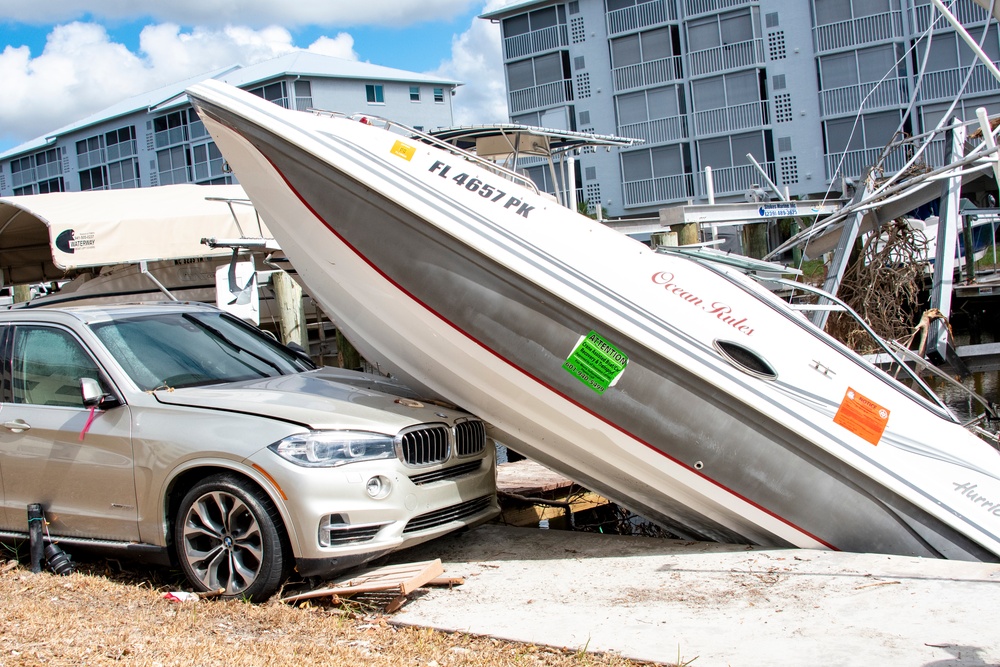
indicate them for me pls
(404, 578)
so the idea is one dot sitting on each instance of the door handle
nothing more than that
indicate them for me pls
(17, 426)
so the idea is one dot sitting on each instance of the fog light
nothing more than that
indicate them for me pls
(378, 487)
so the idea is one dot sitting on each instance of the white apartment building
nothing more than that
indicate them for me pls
(812, 89)
(157, 139)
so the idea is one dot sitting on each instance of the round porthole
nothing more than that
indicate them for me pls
(746, 360)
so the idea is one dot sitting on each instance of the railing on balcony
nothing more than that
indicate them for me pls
(966, 11)
(947, 83)
(90, 158)
(732, 119)
(656, 131)
(693, 7)
(174, 135)
(648, 73)
(727, 56)
(545, 95)
(865, 96)
(658, 190)
(535, 41)
(729, 180)
(23, 177)
(121, 150)
(854, 164)
(854, 32)
(639, 16)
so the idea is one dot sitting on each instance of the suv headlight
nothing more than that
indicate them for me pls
(326, 449)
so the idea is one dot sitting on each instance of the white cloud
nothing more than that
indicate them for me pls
(477, 60)
(81, 71)
(256, 13)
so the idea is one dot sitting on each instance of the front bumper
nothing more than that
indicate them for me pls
(333, 523)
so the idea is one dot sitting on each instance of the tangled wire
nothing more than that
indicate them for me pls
(882, 284)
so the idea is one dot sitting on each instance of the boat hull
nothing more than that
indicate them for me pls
(486, 307)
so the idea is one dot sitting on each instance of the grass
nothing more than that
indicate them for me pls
(105, 614)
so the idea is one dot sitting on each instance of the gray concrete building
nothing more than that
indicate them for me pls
(812, 89)
(157, 139)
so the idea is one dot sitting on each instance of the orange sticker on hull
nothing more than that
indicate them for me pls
(862, 416)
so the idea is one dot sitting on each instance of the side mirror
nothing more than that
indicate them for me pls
(93, 396)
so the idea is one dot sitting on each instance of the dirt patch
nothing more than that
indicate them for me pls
(107, 614)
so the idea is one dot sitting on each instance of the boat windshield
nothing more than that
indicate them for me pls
(186, 349)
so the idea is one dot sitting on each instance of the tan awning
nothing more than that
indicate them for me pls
(44, 237)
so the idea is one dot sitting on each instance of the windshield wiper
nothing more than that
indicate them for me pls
(222, 337)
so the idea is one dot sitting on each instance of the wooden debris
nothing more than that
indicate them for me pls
(401, 579)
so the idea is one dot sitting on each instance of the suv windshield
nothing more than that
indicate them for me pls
(183, 349)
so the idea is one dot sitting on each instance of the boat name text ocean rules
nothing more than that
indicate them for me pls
(484, 190)
(722, 311)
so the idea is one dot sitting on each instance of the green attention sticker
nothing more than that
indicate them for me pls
(596, 362)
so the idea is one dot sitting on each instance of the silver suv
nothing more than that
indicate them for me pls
(178, 432)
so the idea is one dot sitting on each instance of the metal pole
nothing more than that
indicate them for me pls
(767, 179)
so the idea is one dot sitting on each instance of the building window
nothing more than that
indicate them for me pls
(123, 174)
(42, 168)
(52, 185)
(120, 143)
(374, 94)
(170, 129)
(93, 179)
(439, 95)
(303, 95)
(172, 165)
(414, 93)
(196, 128)
(273, 92)
(208, 164)
(89, 152)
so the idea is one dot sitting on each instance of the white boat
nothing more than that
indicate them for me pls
(675, 387)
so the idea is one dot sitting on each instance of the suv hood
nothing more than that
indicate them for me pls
(321, 399)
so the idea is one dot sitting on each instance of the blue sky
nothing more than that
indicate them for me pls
(61, 60)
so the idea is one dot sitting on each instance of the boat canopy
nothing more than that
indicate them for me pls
(502, 140)
(49, 236)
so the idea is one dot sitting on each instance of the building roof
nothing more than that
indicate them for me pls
(296, 63)
(518, 7)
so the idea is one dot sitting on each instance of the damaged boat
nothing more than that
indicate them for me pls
(678, 388)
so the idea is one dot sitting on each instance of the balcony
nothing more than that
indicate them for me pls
(174, 135)
(966, 11)
(855, 163)
(752, 115)
(727, 56)
(660, 190)
(23, 177)
(121, 150)
(535, 41)
(859, 31)
(733, 180)
(870, 96)
(642, 15)
(946, 84)
(695, 7)
(656, 131)
(545, 95)
(649, 73)
(90, 158)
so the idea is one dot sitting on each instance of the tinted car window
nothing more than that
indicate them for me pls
(47, 366)
(188, 349)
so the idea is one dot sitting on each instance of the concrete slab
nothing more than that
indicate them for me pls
(660, 600)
